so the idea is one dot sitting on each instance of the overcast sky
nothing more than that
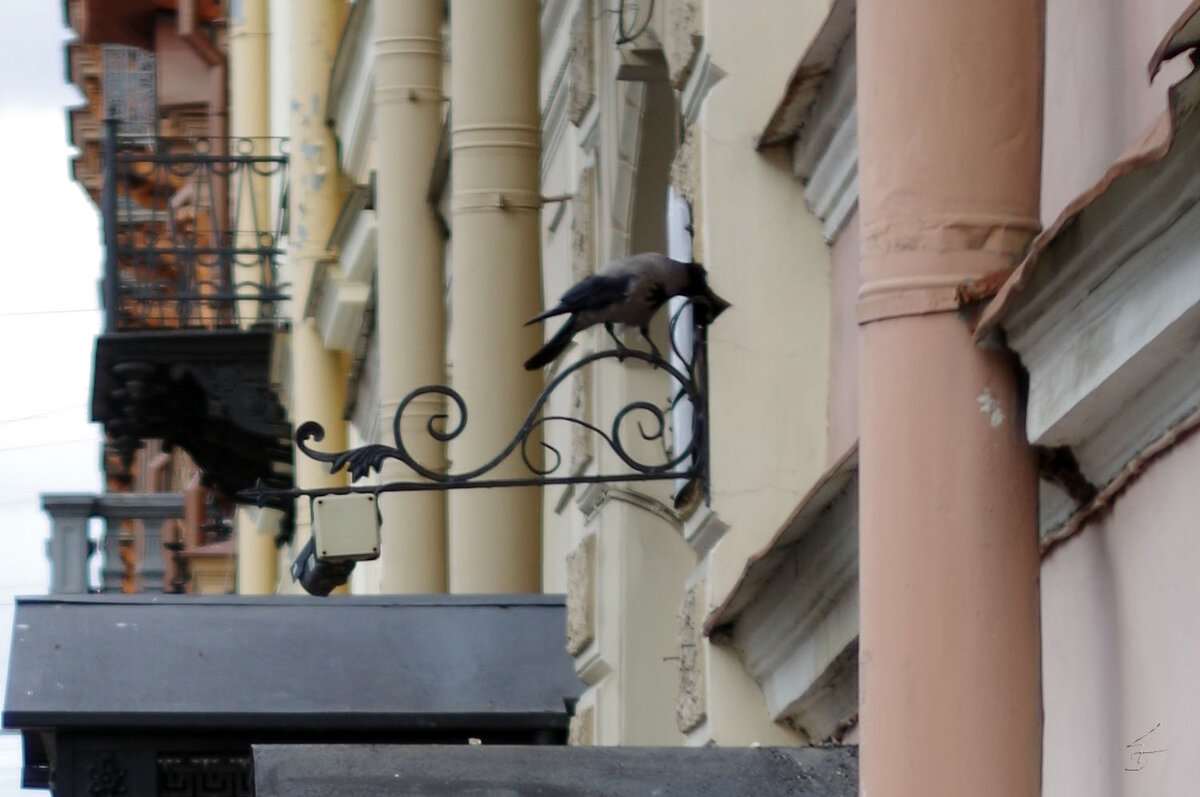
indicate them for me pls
(48, 312)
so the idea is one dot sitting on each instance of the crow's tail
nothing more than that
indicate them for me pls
(554, 347)
(553, 311)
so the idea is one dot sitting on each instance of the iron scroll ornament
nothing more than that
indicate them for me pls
(688, 462)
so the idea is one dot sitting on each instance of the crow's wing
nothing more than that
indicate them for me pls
(594, 292)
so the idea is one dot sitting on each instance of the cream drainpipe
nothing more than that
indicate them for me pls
(494, 534)
(949, 104)
(318, 375)
(248, 108)
(409, 282)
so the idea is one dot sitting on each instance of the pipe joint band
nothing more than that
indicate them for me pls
(391, 95)
(484, 200)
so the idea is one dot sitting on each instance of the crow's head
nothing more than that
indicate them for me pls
(697, 289)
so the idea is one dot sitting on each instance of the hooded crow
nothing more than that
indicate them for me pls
(627, 291)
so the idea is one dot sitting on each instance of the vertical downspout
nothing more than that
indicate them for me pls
(949, 103)
(248, 117)
(495, 535)
(409, 291)
(318, 390)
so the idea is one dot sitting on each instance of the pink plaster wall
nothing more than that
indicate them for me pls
(1098, 96)
(1121, 643)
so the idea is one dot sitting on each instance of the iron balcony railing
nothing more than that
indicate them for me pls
(192, 236)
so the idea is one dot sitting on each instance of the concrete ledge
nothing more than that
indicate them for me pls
(380, 770)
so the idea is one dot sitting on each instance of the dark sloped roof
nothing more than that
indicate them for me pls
(363, 663)
(378, 771)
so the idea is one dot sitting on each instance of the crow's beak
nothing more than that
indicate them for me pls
(719, 305)
(709, 307)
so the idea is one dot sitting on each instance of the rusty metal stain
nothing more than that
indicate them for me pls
(806, 81)
(981, 288)
(1151, 148)
(799, 96)
(1133, 470)
(1183, 35)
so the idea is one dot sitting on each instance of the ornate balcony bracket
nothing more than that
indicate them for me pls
(684, 459)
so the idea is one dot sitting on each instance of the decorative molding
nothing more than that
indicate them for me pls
(360, 248)
(682, 39)
(691, 701)
(205, 776)
(554, 118)
(595, 495)
(703, 76)
(106, 776)
(796, 631)
(341, 290)
(589, 129)
(1109, 324)
(793, 615)
(1055, 507)
(367, 412)
(582, 730)
(206, 391)
(583, 223)
(581, 596)
(630, 114)
(581, 448)
(582, 92)
(825, 153)
(703, 530)
(685, 169)
(826, 707)
(342, 305)
(809, 76)
(351, 104)
(553, 12)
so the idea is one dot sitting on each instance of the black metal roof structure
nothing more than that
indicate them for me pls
(379, 771)
(132, 682)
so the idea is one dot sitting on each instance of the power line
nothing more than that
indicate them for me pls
(47, 445)
(42, 414)
(19, 313)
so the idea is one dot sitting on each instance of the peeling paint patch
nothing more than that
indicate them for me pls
(989, 405)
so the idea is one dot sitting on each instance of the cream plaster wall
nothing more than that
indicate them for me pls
(1120, 645)
(1097, 94)
(765, 254)
(769, 354)
(844, 341)
(562, 525)
(641, 562)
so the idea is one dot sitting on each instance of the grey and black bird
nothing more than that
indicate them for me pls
(629, 292)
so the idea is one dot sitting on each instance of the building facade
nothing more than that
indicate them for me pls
(948, 417)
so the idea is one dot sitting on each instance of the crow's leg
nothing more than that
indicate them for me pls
(621, 347)
(645, 330)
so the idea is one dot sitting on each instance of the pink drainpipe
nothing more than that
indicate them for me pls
(949, 104)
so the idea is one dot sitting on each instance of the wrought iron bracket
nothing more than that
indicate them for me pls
(687, 459)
